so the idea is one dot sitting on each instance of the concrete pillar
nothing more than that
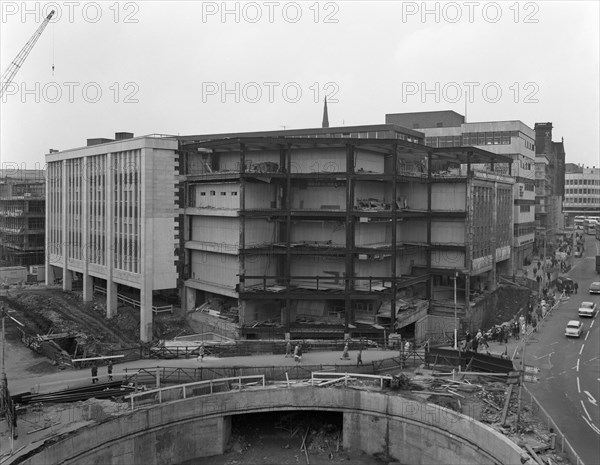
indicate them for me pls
(111, 299)
(189, 299)
(146, 314)
(50, 274)
(88, 282)
(67, 284)
(88, 287)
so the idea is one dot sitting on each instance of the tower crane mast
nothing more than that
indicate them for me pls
(13, 68)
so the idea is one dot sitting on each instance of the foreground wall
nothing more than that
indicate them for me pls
(410, 431)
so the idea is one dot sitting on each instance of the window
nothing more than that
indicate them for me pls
(202, 193)
(223, 193)
(234, 193)
(213, 193)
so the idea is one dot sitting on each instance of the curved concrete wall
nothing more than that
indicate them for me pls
(409, 431)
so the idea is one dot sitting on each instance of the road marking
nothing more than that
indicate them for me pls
(578, 388)
(591, 398)
(594, 427)
(577, 366)
(554, 343)
(563, 372)
(582, 346)
(592, 359)
(543, 356)
(592, 324)
(586, 412)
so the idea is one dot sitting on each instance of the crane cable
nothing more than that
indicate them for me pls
(53, 49)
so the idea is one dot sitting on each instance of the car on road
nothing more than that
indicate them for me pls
(587, 309)
(595, 288)
(574, 328)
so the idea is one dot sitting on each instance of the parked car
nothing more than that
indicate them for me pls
(587, 309)
(574, 328)
(595, 288)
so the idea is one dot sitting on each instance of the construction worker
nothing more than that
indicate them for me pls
(94, 373)
(109, 368)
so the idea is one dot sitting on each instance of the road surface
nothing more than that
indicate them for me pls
(569, 387)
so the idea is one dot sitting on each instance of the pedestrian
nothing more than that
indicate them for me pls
(539, 265)
(109, 369)
(575, 286)
(298, 354)
(407, 347)
(426, 346)
(94, 373)
(548, 275)
(475, 344)
(345, 355)
(516, 330)
(359, 358)
(288, 349)
(201, 353)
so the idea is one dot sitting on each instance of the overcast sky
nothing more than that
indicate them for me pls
(209, 67)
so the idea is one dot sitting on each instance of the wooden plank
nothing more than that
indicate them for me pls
(506, 404)
(534, 455)
(106, 357)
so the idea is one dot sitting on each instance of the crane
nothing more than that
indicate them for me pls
(13, 68)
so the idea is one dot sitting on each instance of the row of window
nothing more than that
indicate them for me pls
(582, 190)
(582, 182)
(367, 135)
(582, 200)
(233, 193)
(477, 138)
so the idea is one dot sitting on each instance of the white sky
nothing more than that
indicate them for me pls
(365, 55)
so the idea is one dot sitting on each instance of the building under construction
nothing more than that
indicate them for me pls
(22, 217)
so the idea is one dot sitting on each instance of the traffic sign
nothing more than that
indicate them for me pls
(528, 378)
(513, 377)
(531, 369)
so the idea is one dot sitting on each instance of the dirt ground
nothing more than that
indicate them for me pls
(51, 310)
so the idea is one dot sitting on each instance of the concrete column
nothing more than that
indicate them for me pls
(146, 313)
(50, 274)
(65, 233)
(146, 244)
(111, 299)
(88, 288)
(111, 287)
(67, 280)
(189, 299)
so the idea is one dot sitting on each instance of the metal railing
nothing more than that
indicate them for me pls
(336, 377)
(184, 391)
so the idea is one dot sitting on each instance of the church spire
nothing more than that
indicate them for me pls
(325, 123)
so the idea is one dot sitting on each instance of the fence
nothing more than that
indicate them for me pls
(562, 443)
(171, 375)
(183, 391)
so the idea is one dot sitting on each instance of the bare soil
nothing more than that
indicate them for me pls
(51, 310)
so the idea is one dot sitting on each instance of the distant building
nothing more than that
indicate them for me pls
(509, 138)
(22, 217)
(582, 190)
(550, 185)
